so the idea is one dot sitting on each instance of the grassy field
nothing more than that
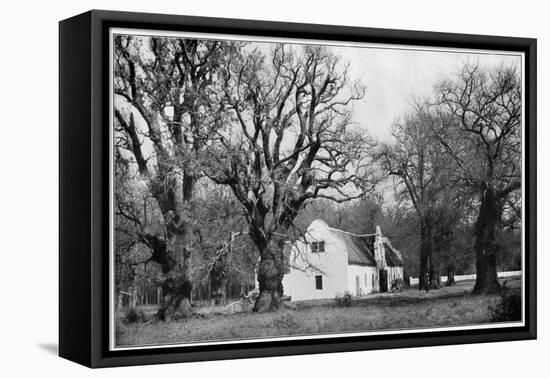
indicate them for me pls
(408, 309)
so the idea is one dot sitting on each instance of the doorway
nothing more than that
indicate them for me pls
(383, 274)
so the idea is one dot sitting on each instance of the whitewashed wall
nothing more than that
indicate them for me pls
(394, 272)
(299, 283)
(361, 272)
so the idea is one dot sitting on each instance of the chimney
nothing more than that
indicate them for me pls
(379, 254)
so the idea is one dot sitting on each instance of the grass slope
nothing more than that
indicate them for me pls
(409, 309)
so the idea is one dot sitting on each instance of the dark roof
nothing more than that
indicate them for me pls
(358, 251)
(392, 257)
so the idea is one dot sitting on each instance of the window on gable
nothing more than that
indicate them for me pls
(319, 282)
(318, 246)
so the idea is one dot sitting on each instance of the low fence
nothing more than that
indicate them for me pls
(468, 277)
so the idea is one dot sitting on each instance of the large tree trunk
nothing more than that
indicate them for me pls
(270, 273)
(485, 244)
(176, 301)
(270, 279)
(174, 259)
(218, 284)
(425, 253)
(174, 253)
(435, 276)
(429, 275)
(450, 275)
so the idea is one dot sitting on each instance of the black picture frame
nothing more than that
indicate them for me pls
(84, 190)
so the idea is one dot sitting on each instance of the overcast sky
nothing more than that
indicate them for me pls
(396, 76)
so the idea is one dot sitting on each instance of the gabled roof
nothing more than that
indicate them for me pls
(393, 257)
(359, 252)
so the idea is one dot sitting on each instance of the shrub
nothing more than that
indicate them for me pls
(397, 285)
(132, 315)
(343, 300)
(508, 309)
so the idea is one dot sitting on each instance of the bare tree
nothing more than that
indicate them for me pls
(223, 240)
(483, 137)
(291, 140)
(420, 165)
(165, 113)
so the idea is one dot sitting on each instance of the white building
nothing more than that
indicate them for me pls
(331, 262)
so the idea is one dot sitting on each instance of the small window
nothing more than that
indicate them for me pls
(366, 281)
(317, 246)
(319, 282)
(373, 281)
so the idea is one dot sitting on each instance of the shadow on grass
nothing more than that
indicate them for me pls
(406, 298)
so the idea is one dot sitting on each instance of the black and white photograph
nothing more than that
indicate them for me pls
(274, 189)
(286, 188)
